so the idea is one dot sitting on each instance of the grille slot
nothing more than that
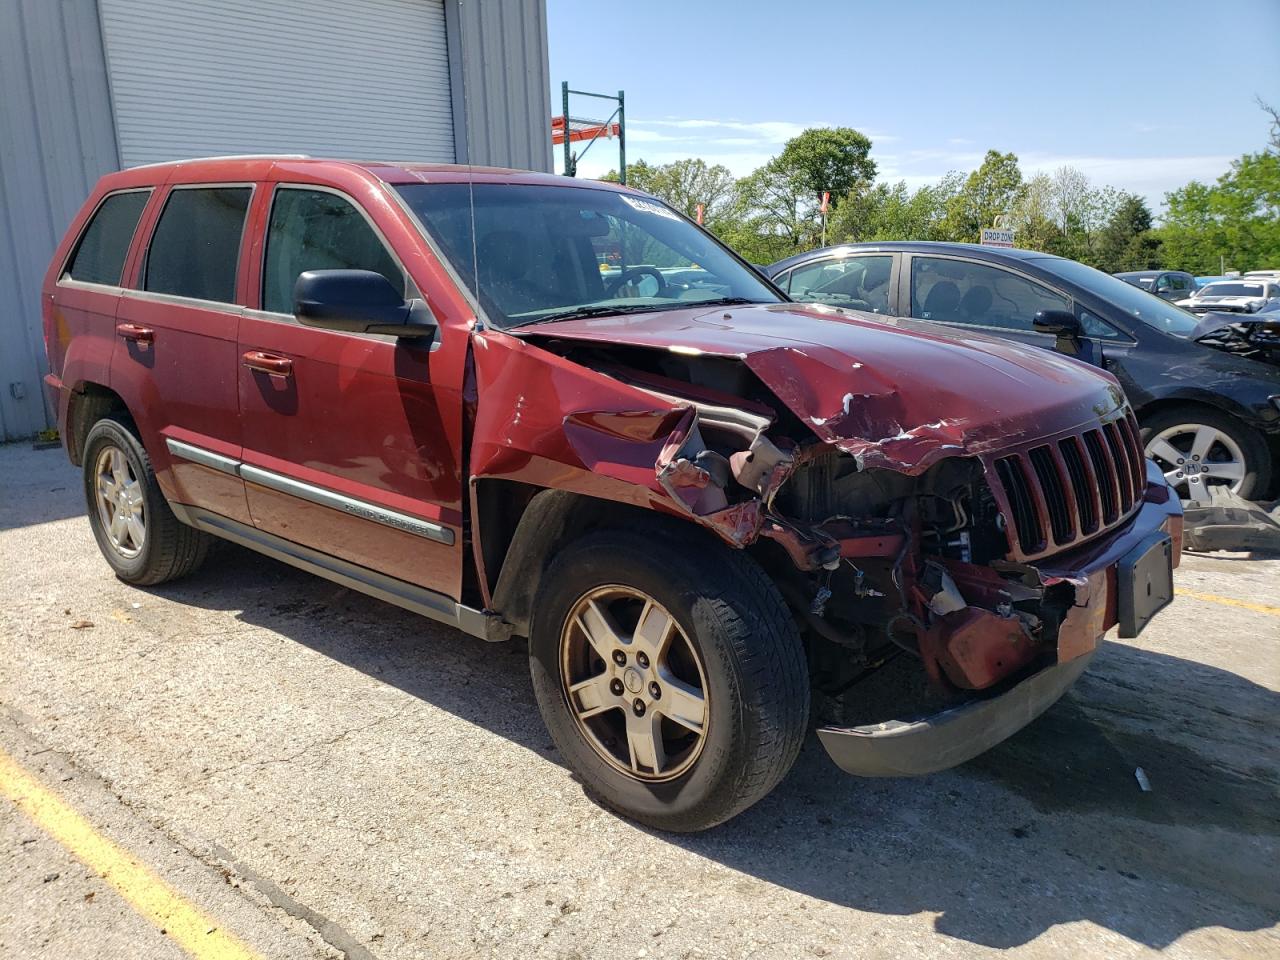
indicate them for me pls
(1137, 455)
(1123, 467)
(1026, 521)
(1081, 485)
(1055, 495)
(1102, 470)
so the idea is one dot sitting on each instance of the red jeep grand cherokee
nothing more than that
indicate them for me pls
(532, 406)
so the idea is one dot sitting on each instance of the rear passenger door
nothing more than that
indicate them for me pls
(345, 448)
(175, 355)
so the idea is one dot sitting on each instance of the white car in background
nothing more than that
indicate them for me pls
(1245, 295)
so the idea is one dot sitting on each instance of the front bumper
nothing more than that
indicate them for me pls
(912, 747)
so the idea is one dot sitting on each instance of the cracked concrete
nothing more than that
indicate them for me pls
(328, 774)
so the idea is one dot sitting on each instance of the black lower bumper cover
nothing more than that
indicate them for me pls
(910, 748)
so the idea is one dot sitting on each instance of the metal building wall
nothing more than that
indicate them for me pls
(58, 135)
(56, 139)
(501, 82)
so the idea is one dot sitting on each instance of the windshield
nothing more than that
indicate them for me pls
(546, 252)
(1232, 290)
(1138, 304)
(1144, 283)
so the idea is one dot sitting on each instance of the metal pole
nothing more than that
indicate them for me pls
(564, 96)
(622, 140)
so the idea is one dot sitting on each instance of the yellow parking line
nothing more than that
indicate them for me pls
(1263, 608)
(149, 895)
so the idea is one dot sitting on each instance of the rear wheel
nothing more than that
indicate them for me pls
(138, 534)
(1198, 448)
(670, 675)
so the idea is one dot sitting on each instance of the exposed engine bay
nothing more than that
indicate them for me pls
(1254, 339)
(876, 563)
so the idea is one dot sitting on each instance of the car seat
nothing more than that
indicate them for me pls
(975, 303)
(942, 301)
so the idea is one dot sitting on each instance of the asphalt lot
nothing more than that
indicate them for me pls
(321, 774)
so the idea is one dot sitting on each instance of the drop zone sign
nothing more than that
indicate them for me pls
(997, 238)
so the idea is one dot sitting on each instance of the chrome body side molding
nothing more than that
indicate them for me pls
(309, 491)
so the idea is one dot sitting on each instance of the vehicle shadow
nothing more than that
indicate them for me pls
(1050, 828)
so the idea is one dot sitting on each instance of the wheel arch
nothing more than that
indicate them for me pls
(521, 528)
(88, 403)
(1195, 398)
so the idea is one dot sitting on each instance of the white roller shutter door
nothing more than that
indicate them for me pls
(364, 79)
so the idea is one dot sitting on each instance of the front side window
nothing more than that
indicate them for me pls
(958, 291)
(1163, 315)
(99, 257)
(318, 230)
(195, 248)
(534, 253)
(860, 283)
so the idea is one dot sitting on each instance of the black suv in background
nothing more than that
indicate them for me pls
(1165, 284)
(1209, 410)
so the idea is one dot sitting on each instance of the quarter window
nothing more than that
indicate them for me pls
(860, 283)
(100, 256)
(196, 245)
(957, 291)
(317, 230)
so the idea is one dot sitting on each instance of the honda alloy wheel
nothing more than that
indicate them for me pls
(1199, 449)
(634, 683)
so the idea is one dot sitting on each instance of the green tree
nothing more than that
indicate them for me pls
(684, 184)
(1127, 242)
(831, 159)
(990, 191)
(1235, 222)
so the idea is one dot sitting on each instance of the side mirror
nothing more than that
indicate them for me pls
(1071, 341)
(358, 301)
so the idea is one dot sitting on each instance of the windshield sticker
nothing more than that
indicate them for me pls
(648, 206)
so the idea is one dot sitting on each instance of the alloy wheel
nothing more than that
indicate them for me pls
(634, 683)
(1195, 457)
(121, 505)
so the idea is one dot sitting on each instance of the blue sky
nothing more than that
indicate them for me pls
(1141, 95)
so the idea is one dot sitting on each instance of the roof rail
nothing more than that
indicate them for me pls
(225, 156)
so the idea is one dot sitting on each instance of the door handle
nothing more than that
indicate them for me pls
(270, 363)
(136, 333)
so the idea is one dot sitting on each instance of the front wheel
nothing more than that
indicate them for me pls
(670, 674)
(1198, 448)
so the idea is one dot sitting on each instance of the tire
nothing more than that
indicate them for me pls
(1255, 479)
(740, 637)
(166, 548)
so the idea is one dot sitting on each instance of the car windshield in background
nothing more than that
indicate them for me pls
(535, 253)
(1144, 283)
(1138, 304)
(1232, 290)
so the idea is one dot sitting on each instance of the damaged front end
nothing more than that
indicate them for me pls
(992, 552)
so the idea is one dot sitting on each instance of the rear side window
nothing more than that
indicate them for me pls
(99, 258)
(317, 230)
(196, 244)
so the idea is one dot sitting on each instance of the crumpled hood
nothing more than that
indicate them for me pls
(892, 392)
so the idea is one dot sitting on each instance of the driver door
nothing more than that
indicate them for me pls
(348, 443)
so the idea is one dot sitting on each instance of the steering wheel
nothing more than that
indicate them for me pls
(631, 272)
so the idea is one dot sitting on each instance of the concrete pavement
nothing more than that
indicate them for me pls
(327, 775)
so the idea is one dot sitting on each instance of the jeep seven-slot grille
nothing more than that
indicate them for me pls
(1063, 492)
